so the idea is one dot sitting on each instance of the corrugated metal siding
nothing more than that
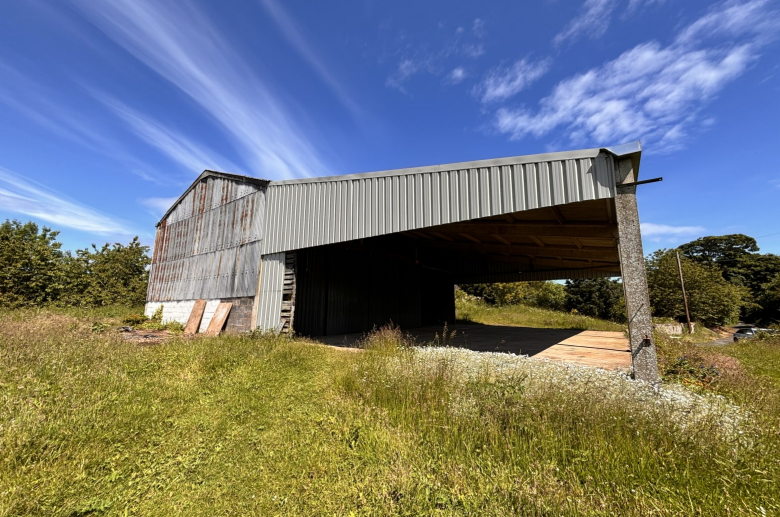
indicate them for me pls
(308, 213)
(209, 246)
(271, 286)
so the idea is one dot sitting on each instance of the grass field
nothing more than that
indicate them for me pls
(477, 311)
(91, 425)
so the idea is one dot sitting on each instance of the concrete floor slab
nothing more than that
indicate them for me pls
(602, 349)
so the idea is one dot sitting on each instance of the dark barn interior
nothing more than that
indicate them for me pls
(408, 278)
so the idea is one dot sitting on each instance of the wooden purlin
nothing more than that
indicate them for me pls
(288, 293)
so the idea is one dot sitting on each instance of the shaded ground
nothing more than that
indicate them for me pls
(604, 349)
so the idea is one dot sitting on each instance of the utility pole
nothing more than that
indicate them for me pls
(685, 298)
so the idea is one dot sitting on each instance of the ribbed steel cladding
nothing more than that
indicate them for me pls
(197, 252)
(302, 215)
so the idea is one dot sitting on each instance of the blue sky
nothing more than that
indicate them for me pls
(108, 110)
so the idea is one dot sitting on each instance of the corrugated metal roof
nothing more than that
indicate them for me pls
(316, 211)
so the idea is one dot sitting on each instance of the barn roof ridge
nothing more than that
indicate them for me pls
(632, 149)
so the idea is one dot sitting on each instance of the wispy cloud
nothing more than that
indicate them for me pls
(193, 156)
(668, 233)
(158, 205)
(592, 21)
(634, 5)
(756, 19)
(43, 106)
(478, 28)
(455, 76)
(295, 37)
(504, 82)
(651, 92)
(421, 60)
(179, 42)
(775, 183)
(406, 68)
(41, 203)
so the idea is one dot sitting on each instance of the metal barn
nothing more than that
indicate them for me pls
(342, 254)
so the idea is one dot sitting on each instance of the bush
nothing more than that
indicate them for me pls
(135, 319)
(34, 271)
(545, 295)
(157, 316)
(175, 327)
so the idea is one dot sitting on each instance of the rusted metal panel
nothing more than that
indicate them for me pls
(209, 244)
(318, 211)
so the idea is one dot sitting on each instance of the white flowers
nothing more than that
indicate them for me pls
(671, 403)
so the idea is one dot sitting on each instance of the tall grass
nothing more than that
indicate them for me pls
(93, 425)
(511, 441)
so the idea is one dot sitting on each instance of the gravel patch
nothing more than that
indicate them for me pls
(676, 404)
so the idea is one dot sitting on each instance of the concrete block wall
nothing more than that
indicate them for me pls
(180, 310)
(240, 317)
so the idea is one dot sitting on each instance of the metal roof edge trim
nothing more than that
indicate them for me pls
(217, 174)
(630, 149)
(493, 162)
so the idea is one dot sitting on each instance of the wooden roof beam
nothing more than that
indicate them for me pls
(558, 215)
(471, 238)
(500, 239)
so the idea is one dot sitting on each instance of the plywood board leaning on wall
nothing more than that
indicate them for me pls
(193, 324)
(217, 322)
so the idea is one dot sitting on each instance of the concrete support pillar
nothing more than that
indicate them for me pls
(632, 266)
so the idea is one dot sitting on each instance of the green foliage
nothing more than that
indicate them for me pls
(157, 316)
(35, 272)
(30, 259)
(546, 295)
(724, 250)
(769, 301)
(737, 258)
(175, 327)
(112, 274)
(690, 372)
(135, 319)
(99, 327)
(711, 299)
(151, 325)
(599, 298)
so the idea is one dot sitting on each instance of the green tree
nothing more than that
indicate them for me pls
(711, 299)
(34, 271)
(737, 258)
(769, 301)
(599, 298)
(111, 275)
(29, 264)
(547, 295)
(723, 251)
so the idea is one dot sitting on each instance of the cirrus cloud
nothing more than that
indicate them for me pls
(652, 92)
